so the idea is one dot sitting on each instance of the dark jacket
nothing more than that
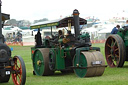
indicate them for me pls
(114, 30)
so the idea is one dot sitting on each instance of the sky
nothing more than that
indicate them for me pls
(53, 9)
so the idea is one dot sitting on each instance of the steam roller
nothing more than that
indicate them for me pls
(9, 65)
(64, 51)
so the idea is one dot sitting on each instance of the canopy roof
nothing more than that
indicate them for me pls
(5, 17)
(58, 23)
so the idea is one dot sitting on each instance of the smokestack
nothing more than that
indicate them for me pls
(76, 23)
(0, 23)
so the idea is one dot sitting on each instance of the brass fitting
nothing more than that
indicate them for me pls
(39, 62)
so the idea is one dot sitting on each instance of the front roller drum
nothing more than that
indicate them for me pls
(41, 62)
(18, 71)
(86, 65)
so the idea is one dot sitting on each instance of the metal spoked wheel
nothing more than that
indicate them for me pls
(19, 71)
(115, 51)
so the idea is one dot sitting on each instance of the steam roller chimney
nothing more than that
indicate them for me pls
(76, 23)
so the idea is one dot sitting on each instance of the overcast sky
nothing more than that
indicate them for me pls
(53, 9)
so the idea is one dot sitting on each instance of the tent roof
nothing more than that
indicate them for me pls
(90, 29)
(24, 28)
(105, 30)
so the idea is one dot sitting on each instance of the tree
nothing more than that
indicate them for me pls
(12, 22)
(40, 20)
(23, 23)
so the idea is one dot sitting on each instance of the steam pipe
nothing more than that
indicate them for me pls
(76, 23)
(0, 24)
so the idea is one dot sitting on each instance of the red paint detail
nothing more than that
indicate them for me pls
(32, 51)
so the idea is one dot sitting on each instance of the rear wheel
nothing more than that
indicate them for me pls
(19, 71)
(115, 51)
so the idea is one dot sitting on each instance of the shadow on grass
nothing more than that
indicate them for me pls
(56, 74)
(59, 73)
(125, 66)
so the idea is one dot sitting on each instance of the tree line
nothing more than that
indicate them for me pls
(22, 23)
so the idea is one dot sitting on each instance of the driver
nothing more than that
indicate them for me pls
(60, 34)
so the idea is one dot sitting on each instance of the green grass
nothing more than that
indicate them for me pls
(111, 76)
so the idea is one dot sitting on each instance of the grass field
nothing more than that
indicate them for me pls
(111, 76)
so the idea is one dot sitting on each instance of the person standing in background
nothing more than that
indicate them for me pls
(125, 27)
(126, 23)
(115, 29)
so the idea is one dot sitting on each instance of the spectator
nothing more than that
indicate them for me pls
(115, 29)
(126, 25)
